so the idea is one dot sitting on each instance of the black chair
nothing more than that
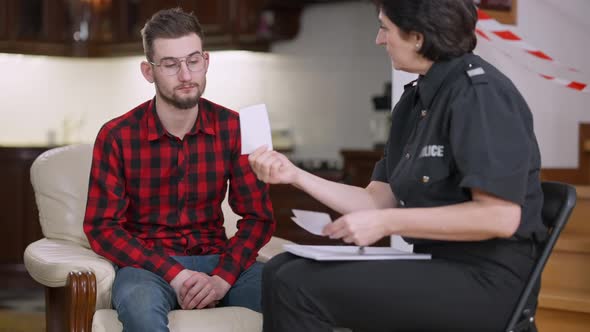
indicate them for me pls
(559, 201)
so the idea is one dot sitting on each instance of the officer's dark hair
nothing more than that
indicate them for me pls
(168, 23)
(448, 26)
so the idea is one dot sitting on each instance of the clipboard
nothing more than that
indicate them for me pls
(351, 253)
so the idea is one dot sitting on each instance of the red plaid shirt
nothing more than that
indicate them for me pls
(152, 196)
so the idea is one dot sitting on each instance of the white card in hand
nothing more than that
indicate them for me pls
(311, 221)
(255, 128)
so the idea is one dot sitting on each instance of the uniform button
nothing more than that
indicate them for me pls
(407, 156)
(423, 113)
(402, 203)
(425, 179)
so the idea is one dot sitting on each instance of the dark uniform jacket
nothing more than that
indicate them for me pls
(461, 126)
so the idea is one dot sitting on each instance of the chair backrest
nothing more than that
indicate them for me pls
(60, 180)
(559, 200)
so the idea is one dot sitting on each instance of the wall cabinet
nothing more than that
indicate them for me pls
(112, 27)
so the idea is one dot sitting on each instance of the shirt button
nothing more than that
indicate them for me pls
(425, 179)
(407, 156)
(423, 113)
(402, 203)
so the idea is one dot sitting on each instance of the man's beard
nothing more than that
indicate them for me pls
(182, 103)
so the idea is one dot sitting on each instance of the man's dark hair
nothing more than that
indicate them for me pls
(448, 26)
(168, 23)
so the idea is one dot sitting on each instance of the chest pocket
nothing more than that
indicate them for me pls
(432, 181)
(431, 169)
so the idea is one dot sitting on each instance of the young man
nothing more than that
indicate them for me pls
(159, 174)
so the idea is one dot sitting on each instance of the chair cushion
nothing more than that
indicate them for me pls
(60, 179)
(226, 319)
(50, 261)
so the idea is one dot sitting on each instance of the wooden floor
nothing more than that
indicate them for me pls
(21, 301)
(16, 321)
(564, 301)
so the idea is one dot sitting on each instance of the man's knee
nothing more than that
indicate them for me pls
(141, 291)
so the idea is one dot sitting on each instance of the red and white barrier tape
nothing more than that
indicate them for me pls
(488, 27)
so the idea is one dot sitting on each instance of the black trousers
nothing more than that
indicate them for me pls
(471, 286)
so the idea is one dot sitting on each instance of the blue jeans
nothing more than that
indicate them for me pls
(143, 299)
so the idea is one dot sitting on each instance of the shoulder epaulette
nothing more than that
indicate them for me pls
(476, 74)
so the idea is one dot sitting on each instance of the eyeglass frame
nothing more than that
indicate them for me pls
(180, 60)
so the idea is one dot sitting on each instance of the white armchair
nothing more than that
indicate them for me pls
(78, 281)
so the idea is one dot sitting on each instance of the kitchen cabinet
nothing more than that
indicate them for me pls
(359, 165)
(19, 217)
(95, 28)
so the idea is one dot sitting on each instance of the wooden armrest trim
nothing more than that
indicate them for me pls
(81, 300)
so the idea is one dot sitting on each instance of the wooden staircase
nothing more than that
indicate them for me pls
(564, 301)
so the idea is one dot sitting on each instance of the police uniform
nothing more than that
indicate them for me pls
(461, 126)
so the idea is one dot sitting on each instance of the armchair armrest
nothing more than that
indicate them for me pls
(272, 248)
(50, 262)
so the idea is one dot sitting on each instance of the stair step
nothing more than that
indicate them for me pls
(579, 243)
(578, 222)
(568, 271)
(564, 299)
(553, 320)
(583, 192)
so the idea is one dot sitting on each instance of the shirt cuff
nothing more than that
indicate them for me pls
(231, 276)
(173, 272)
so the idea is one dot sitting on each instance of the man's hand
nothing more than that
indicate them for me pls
(200, 290)
(177, 282)
(362, 228)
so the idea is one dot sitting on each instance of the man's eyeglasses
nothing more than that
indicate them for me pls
(171, 66)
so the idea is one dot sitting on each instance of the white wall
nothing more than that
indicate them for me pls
(559, 28)
(320, 85)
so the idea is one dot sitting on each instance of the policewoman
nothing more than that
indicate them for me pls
(459, 178)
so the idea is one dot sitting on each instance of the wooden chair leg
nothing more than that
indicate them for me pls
(72, 307)
(81, 300)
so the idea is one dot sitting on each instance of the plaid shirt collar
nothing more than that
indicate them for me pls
(205, 122)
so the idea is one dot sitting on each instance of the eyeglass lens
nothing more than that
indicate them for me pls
(194, 63)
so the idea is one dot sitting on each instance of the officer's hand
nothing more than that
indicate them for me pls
(362, 228)
(272, 167)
